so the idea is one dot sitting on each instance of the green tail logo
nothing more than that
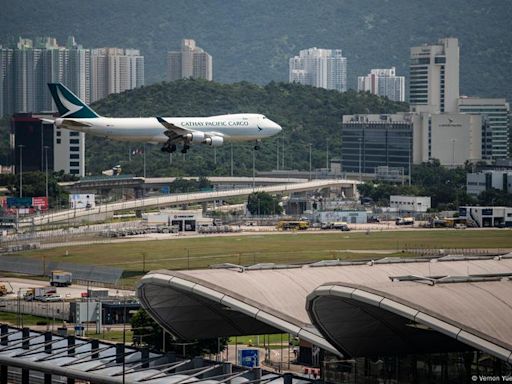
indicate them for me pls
(68, 104)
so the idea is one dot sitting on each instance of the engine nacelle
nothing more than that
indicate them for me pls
(214, 141)
(195, 137)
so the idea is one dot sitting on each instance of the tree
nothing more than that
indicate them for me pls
(263, 203)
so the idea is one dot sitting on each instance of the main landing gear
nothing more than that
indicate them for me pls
(185, 148)
(257, 145)
(169, 148)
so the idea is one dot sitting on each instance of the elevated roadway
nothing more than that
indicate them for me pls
(184, 198)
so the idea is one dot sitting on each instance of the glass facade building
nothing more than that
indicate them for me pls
(373, 141)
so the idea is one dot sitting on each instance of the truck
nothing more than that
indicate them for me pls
(284, 225)
(39, 293)
(5, 288)
(404, 221)
(60, 278)
(340, 225)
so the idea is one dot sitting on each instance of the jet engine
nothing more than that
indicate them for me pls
(214, 141)
(195, 137)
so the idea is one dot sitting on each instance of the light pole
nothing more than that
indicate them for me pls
(144, 158)
(453, 153)
(253, 169)
(309, 161)
(46, 160)
(327, 155)
(231, 159)
(21, 169)
(410, 159)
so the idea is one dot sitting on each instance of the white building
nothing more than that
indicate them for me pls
(495, 118)
(409, 203)
(452, 138)
(190, 61)
(477, 183)
(322, 68)
(434, 77)
(487, 216)
(186, 220)
(383, 82)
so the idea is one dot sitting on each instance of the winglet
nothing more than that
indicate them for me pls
(68, 104)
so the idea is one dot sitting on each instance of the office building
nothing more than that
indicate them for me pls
(476, 183)
(452, 138)
(39, 142)
(322, 68)
(372, 141)
(434, 77)
(409, 203)
(383, 82)
(496, 122)
(189, 62)
(27, 67)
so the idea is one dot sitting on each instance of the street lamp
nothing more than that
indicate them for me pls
(21, 169)
(46, 160)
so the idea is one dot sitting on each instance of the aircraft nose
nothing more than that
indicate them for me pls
(276, 127)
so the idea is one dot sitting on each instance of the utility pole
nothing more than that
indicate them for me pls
(253, 169)
(327, 155)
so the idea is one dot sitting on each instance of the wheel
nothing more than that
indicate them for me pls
(172, 148)
(164, 149)
(256, 147)
(184, 150)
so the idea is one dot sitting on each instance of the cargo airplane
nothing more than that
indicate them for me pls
(170, 131)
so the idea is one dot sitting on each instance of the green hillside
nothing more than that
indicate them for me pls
(253, 40)
(307, 115)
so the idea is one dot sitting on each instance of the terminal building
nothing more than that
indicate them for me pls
(438, 320)
(489, 179)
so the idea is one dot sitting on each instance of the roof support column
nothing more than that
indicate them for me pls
(47, 349)
(4, 370)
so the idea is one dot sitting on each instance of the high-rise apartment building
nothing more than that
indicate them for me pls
(495, 124)
(115, 70)
(26, 68)
(189, 62)
(434, 77)
(322, 68)
(383, 82)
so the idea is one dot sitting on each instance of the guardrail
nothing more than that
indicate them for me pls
(179, 199)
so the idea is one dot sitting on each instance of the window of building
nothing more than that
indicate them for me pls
(73, 133)
(74, 149)
(74, 156)
(74, 163)
(74, 141)
(58, 133)
(74, 171)
(58, 141)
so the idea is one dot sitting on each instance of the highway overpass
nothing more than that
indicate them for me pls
(184, 198)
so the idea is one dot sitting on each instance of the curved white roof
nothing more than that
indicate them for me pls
(226, 302)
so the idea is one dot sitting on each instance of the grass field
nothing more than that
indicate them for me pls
(200, 252)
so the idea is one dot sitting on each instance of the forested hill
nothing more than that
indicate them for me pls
(307, 115)
(252, 40)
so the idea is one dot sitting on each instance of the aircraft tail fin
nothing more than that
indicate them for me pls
(68, 104)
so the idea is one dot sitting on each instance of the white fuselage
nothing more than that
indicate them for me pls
(232, 128)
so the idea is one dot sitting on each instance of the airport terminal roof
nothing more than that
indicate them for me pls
(237, 300)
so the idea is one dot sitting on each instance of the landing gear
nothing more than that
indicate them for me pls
(168, 147)
(257, 147)
(185, 148)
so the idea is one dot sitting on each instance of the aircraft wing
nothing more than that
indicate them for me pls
(74, 123)
(173, 129)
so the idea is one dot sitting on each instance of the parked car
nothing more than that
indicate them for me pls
(52, 298)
